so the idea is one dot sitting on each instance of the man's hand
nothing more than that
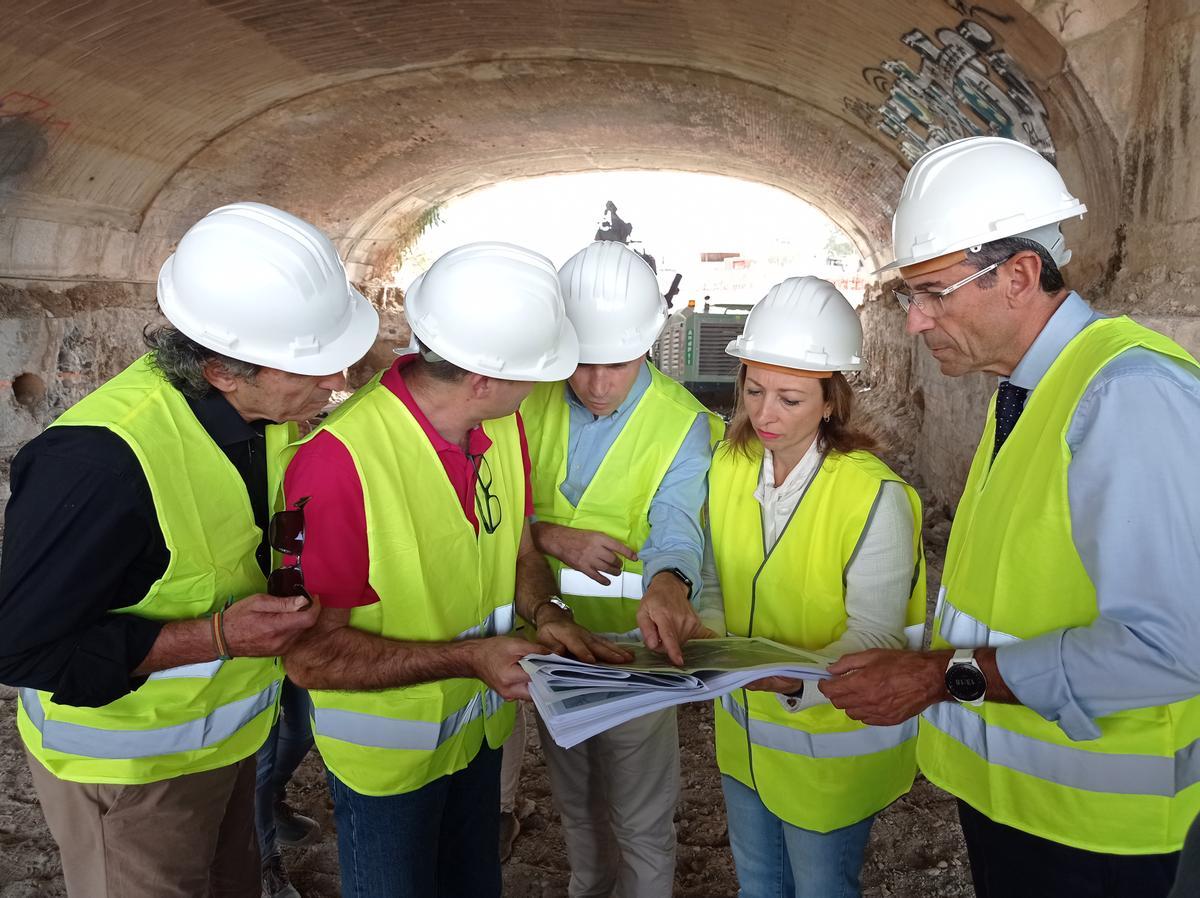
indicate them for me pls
(884, 687)
(494, 660)
(260, 626)
(560, 634)
(667, 619)
(590, 551)
(782, 685)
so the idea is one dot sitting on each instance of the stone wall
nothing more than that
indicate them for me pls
(57, 345)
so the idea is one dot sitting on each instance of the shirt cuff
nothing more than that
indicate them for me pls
(810, 697)
(1033, 670)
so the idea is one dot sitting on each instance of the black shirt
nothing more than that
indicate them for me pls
(82, 538)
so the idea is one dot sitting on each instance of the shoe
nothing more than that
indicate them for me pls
(510, 826)
(275, 882)
(294, 829)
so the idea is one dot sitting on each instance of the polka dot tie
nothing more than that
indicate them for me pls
(1010, 400)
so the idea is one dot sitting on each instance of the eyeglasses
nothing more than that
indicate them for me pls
(487, 506)
(931, 308)
(286, 535)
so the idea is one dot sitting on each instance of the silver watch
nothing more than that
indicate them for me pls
(557, 603)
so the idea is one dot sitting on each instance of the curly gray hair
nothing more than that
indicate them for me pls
(182, 361)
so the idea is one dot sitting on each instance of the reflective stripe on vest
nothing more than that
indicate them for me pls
(1077, 768)
(498, 623)
(388, 732)
(626, 585)
(961, 630)
(866, 741)
(204, 670)
(194, 735)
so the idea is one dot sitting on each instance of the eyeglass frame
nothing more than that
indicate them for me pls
(906, 299)
(297, 544)
(483, 511)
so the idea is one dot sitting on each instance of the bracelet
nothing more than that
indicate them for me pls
(220, 643)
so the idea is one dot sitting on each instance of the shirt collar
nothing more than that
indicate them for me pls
(221, 420)
(1068, 320)
(477, 440)
(640, 385)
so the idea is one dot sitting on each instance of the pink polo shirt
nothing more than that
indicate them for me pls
(335, 563)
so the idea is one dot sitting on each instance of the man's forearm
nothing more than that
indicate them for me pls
(346, 658)
(534, 584)
(179, 642)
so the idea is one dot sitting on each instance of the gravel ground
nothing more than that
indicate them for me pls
(916, 848)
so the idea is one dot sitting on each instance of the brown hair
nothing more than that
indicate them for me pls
(839, 434)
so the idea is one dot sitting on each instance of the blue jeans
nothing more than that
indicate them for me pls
(439, 841)
(286, 745)
(777, 860)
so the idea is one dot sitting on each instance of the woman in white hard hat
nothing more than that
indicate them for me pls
(815, 543)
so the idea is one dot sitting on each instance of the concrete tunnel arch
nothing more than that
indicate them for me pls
(122, 123)
(131, 123)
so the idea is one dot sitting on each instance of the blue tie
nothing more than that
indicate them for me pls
(1010, 401)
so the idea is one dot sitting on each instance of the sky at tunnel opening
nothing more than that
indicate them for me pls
(676, 217)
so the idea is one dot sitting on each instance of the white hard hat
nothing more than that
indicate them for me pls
(613, 300)
(494, 309)
(803, 323)
(976, 190)
(257, 284)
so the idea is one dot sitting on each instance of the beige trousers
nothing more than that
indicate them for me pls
(511, 757)
(189, 837)
(616, 794)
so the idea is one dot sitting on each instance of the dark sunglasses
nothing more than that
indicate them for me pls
(286, 536)
(487, 505)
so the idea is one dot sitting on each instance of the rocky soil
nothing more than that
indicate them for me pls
(916, 848)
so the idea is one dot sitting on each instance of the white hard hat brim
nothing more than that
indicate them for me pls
(607, 354)
(1008, 228)
(567, 359)
(349, 347)
(770, 358)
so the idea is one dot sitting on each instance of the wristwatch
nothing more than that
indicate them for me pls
(557, 603)
(964, 680)
(683, 578)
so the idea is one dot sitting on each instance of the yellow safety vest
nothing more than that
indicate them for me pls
(436, 581)
(1013, 572)
(199, 716)
(817, 769)
(617, 501)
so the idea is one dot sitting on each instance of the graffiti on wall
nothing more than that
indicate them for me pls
(965, 84)
(28, 128)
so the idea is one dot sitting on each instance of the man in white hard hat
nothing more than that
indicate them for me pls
(418, 543)
(620, 459)
(133, 605)
(1059, 701)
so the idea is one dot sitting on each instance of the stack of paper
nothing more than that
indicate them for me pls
(578, 700)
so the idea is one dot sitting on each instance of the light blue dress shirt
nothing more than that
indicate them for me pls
(1133, 485)
(676, 539)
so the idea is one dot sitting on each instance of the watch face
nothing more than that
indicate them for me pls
(965, 683)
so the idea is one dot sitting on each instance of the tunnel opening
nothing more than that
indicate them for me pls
(728, 238)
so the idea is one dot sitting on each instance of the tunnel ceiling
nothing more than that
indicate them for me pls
(122, 122)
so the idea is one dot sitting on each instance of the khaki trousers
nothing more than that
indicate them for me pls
(510, 762)
(616, 794)
(188, 837)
